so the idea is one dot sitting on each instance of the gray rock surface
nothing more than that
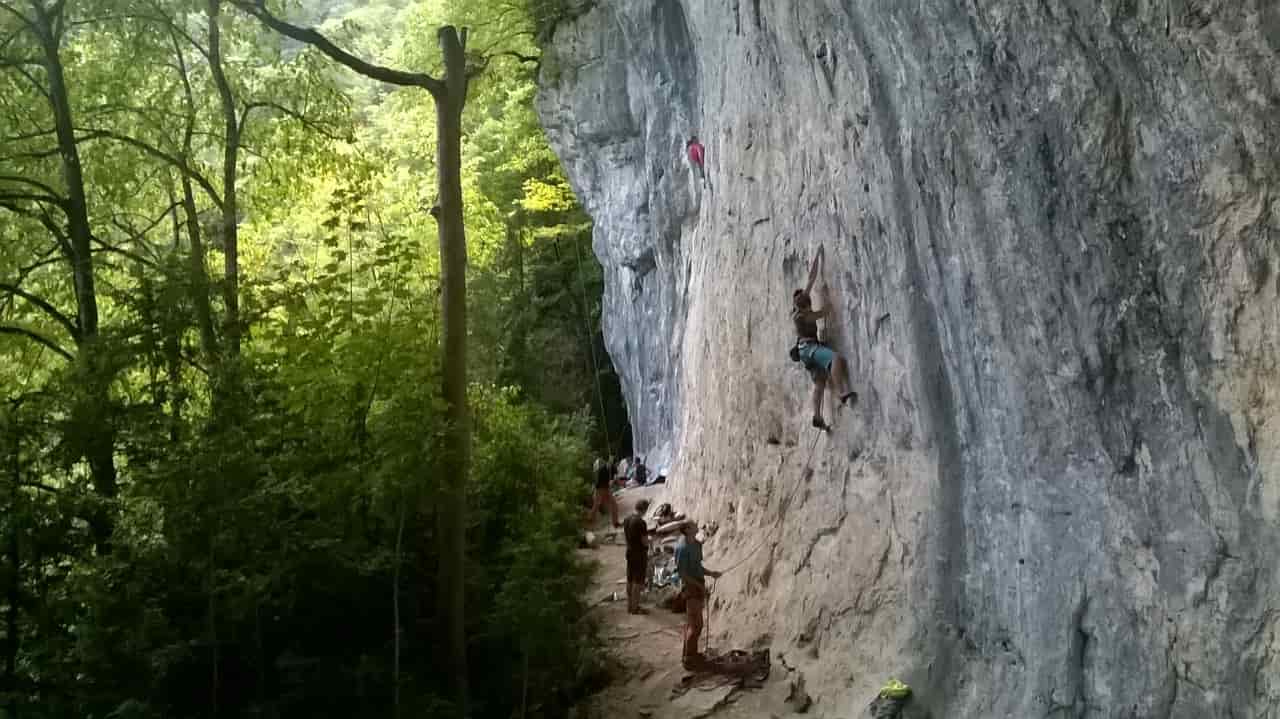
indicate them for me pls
(1052, 235)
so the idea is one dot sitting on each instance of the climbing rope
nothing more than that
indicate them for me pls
(777, 524)
(706, 611)
(786, 503)
(591, 344)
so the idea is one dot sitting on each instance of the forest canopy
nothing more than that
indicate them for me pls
(222, 436)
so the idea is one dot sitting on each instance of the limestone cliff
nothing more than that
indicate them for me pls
(1052, 235)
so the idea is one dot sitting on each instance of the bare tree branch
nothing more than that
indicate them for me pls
(59, 19)
(27, 136)
(302, 119)
(143, 112)
(6, 197)
(527, 59)
(45, 307)
(10, 38)
(20, 65)
(29, 334)
(48, 152)
(20, 180)
(19, 62)
(46, 258)
(7, 7)
(258, 9)
(178, 162)
(485, 58)
(135, 234)
(44, 219)
(164, 18)
(122, 251)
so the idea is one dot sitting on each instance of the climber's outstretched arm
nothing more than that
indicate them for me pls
(813, 270)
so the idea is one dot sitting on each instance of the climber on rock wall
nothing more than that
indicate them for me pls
(697, 156)
(822, 362)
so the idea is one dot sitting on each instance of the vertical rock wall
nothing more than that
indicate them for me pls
(1052, 233)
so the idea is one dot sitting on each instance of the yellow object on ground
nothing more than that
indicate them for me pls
(894, 689)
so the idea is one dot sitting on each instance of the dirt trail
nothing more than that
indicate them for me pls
(647, 649)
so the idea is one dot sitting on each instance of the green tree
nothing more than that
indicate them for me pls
(282, 524)
(450, 95)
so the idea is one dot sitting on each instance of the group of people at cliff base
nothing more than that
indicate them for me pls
(825, 367)
(692, 572)
(605, 477)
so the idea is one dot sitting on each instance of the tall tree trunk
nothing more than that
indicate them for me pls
(453, 274)
(517, 358)
(395, 613)
(13, 638)
(199, 273)
(230, 160)
(173, 393)
(99, 447)
(199, 280)
(450, 95)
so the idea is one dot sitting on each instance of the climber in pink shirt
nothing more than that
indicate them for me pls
(697, 155)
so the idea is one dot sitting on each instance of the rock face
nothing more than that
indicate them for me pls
(1052, 232)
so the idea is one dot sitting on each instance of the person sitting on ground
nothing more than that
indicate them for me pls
(637, 533)
(822, 362)
(603, 497)
(642, 472)
(693, 580)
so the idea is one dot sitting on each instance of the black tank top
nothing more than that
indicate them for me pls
(806, 326)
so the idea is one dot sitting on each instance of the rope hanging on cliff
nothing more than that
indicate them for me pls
(591, 345)
(782, 507)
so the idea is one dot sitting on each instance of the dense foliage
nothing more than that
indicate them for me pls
(220, 359)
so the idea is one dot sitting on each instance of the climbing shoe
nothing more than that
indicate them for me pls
(849, 399)
(820, 424)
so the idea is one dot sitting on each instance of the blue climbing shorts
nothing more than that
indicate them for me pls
(817, 358)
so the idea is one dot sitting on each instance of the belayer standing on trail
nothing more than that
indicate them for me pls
(697, 156)
(821, 361)
(694, 588)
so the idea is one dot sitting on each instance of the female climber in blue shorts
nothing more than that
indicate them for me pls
(821, 361)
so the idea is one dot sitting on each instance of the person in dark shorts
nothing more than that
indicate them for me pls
(603, 497)
(637, 533)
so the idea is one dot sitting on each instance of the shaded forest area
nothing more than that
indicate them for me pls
(224, 467)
